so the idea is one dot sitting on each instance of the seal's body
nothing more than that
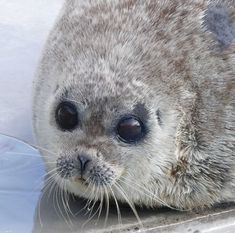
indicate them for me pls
(135, 100)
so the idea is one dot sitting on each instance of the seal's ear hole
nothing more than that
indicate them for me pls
(159, 116)
(66, 116)
(219, 20)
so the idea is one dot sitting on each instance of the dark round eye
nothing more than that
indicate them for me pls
(130, 129)
(66, 116)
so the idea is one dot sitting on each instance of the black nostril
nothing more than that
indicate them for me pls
(84, 160)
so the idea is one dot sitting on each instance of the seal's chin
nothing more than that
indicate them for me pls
(94, 182)
(79, 181)
(86, 189)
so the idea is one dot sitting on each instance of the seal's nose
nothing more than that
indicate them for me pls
(84, 160)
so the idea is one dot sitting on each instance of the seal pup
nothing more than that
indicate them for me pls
(135, 100)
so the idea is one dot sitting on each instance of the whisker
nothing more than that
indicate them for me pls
(117, 206)
(57, 191)
(40, 201)
(70, 224)
(39, 181)
(107, 206)
(51, 186)
(119, 188)
(91, 217)
(48, 186)
(88, 199)
(148, 194)
(67, 200)
(100, 207)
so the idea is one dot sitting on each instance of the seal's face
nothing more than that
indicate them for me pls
(104, 142)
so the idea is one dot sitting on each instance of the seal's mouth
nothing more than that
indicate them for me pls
(81, 180)
(83, 171)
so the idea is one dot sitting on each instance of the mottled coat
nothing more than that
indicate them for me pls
(170, 62)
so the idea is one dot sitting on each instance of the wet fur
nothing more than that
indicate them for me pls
(171, 58)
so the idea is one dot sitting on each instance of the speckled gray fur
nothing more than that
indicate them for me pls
(218, 21)
(158, 59)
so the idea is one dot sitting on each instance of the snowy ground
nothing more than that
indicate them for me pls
(24, 26)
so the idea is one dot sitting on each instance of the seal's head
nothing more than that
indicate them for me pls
(104, 134)
(130, 101)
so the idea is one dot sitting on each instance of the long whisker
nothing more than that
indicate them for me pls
(40, 200)
(149, 194)
(89, 200)
(117, 206)
(120, 189)
(100, 206)
(57, 193)
(62, 192)
(67, 196)
(49, 186)
(107, 206)
(92, 207)
(44, 177)
(92, 216)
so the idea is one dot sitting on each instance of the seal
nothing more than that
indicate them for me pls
(134, 101)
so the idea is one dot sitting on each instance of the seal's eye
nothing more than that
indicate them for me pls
(66, 116)
(130, 129)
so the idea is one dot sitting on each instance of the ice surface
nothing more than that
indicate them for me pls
(21, 180)
(24, 26)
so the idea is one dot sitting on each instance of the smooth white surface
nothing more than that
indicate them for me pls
(21, 180)
(24, 26)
